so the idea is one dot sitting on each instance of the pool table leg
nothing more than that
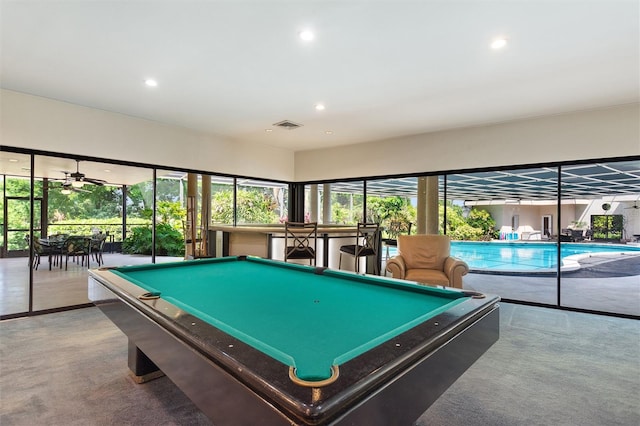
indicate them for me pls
(142, 368)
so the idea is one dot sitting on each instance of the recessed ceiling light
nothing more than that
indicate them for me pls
(320, 107)
(328, 132)
(499, 43)
(268, 130)
(13, 160)
(307, 35)
(151, 82)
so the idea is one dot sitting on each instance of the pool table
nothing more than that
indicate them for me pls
(257, 341)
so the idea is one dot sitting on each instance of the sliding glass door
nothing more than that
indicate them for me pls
(600, 237)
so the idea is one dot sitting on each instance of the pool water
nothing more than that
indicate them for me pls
(525, 257)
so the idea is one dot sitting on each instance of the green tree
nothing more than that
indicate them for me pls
(169, 236)
(169, 189)
(253, 206)
(482, 219)
(171, 212)
(380, 209)
(256, 206)
(18, 211)
(385, 210)
(346, 208)
(222, 206)
(478, 225)
(96, 202)
(466, 232)
(21, 187)
(169, 241)
(139, 198)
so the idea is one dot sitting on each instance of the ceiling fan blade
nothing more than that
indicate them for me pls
(98, 182)
(67, 189)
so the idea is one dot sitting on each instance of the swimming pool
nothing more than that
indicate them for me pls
(513, 257)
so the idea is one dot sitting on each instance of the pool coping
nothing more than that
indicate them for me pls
(570, 263)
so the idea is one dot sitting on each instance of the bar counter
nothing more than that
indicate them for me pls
(267, 241)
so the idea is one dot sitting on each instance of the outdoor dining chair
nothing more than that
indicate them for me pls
(79, 248)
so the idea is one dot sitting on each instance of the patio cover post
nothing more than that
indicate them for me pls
(427, 209)
(421, 213)
(326, 203)
(432, 205)
(313, 203)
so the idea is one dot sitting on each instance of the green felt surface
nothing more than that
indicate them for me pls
(300, 318)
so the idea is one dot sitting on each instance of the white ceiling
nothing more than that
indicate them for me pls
(55, 167)
(382, 68)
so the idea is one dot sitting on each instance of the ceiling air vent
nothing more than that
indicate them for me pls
(286, 124)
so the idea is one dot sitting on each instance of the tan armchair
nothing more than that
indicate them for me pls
(425, 259)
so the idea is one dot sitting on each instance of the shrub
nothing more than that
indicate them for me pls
(169, 241)
(466, 232)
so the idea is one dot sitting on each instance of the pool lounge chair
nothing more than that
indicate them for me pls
(527, 233)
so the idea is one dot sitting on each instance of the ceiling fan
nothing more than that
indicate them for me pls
(78, 179)
(67, 185)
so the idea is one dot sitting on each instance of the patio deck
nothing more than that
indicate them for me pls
(56, 287)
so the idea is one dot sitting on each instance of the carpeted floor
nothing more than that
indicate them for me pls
(549, 368)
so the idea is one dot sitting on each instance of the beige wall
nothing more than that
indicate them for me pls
(581, 212)
(605, 133)
(43, 124)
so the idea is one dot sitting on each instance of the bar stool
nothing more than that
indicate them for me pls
(366, 246)
(300, 241)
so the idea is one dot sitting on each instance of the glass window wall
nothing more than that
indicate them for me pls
(507, 224)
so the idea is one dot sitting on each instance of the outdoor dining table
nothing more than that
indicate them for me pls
(55, 245)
